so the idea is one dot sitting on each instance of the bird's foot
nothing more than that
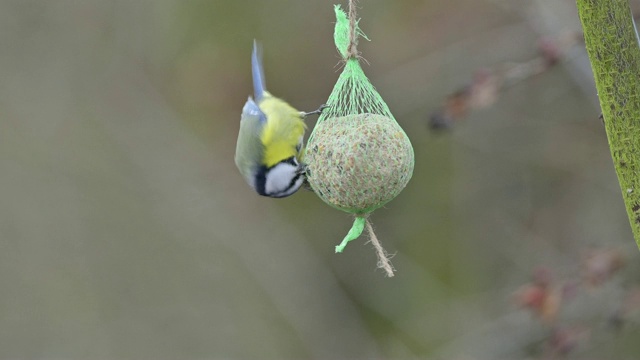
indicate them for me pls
(302, 169)
(315, 112)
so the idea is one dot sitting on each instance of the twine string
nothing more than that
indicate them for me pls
(383, 257)
(352, 51)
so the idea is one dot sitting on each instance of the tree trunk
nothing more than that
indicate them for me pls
(612, 45)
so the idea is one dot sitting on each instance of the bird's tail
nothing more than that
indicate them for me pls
(257, 72)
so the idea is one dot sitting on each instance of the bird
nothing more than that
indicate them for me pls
(270, 139)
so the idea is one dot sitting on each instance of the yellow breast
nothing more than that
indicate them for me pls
(282, 131)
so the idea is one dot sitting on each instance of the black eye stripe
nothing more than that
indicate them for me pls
(293, 181)
(285, 192)
(291, 160)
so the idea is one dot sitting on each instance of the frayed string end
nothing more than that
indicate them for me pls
(384, 261)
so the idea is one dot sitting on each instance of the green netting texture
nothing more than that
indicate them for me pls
(359, 162)
(358, 157)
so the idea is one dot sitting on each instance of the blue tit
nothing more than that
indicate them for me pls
(270, 139)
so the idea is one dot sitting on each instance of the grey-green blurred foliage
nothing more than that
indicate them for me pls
(126, 231)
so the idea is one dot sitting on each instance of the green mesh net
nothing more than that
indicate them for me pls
(358, 157)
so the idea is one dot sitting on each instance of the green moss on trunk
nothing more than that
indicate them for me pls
(615, 59)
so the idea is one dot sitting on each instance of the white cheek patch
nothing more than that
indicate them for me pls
(279, 178)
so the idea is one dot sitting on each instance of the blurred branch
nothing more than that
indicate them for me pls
(564, 320)
(612, 45)
(487, 84)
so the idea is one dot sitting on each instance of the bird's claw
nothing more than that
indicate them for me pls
(302, 169)
(315, 112)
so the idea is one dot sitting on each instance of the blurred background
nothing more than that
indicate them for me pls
(126, 231)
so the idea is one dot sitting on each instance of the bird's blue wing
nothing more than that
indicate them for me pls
(249, 148)
(252, 110)
(257, 72)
